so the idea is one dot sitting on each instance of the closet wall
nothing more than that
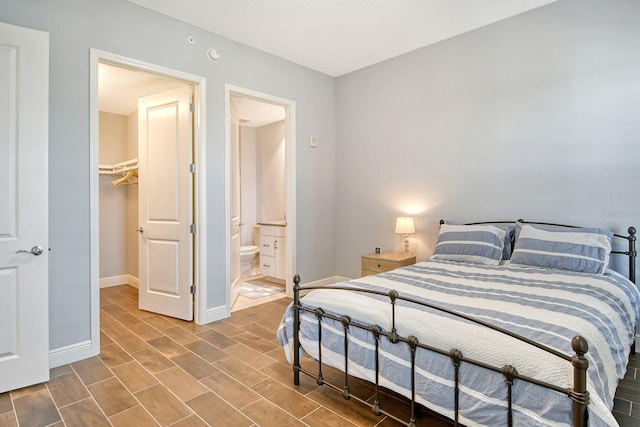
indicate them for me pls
(118, 204)
(132, 201)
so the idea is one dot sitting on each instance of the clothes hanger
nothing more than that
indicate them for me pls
(125, 180)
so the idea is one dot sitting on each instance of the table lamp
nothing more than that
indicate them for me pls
(404, 226)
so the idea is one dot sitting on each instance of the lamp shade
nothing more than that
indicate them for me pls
(405, 225)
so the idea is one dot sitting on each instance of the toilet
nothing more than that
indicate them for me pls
(249, 261)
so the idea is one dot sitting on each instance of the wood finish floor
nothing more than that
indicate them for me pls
(155, 370)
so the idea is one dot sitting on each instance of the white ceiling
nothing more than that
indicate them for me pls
(339, 36)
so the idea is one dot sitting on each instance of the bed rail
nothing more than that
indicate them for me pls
(578, 393)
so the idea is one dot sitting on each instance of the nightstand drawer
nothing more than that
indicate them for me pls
(378, 265)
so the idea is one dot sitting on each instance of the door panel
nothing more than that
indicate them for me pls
(24, 301)
(165, 278)
(165, 198)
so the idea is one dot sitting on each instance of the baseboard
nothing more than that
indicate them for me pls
(133, 281)
(124, 279)
(71, 353)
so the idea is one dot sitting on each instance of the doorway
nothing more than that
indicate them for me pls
(261, 195)
(147, 198)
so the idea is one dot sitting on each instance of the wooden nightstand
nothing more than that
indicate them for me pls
(386, 261)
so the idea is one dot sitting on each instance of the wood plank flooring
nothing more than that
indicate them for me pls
(155, 370)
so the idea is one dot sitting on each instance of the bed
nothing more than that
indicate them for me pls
(525, 330)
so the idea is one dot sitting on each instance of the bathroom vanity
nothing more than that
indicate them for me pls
(273, 243)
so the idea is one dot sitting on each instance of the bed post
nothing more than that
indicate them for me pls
(632, 254)
(296, 329)
(579, 393)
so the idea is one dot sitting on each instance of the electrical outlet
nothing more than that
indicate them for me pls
(378, 249)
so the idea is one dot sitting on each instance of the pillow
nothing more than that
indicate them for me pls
(508, 239)
(547, 227)
(583, 252)
(510, 231)
(480, 244)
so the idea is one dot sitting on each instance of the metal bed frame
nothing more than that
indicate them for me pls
(578, 393)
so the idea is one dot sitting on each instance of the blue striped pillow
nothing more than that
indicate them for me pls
(564, 250)
(480, 244)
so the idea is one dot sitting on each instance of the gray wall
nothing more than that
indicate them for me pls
(122, 28)
(537, 116)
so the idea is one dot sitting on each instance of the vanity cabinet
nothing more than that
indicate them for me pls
(273, 244)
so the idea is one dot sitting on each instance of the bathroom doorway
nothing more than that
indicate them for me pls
(261, 233)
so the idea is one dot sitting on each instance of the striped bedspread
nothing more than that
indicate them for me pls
(548, 306)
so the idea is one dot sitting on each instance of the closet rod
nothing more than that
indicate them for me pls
(118, 168)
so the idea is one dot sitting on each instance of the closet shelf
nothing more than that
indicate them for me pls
(119, 168)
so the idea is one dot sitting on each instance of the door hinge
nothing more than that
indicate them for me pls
(192, 168)
(192, 107)
(192, 289)
(192, 228)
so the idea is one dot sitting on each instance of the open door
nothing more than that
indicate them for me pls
(24, 212)
(234, 129)
(165, 196)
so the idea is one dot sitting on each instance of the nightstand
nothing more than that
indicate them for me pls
(386, 261)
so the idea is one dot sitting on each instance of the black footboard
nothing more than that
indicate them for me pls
(578, 393)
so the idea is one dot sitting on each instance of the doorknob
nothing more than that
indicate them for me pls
(140, 229)
(36, 250)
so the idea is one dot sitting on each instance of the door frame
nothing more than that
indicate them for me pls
(199, 138)
(290, 174)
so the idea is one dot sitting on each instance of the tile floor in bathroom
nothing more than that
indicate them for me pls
(243, 302)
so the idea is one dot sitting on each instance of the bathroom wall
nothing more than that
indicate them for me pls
(247, 183)
(113, 200)
(270, 170)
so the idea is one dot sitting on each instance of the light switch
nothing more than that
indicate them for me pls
(313, 141)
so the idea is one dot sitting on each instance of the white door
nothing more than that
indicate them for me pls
(165, 203)
(24, 215)
(234, 129)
